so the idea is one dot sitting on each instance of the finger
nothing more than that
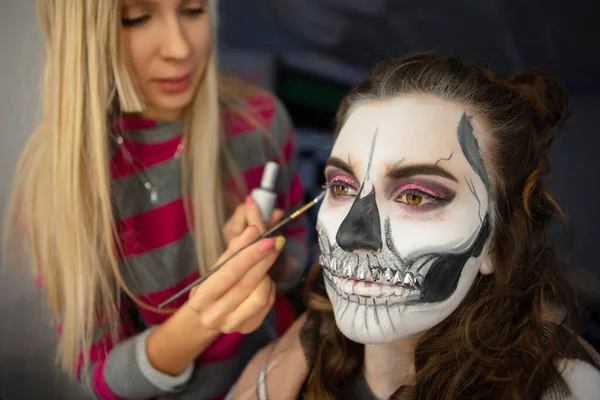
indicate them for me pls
(253, 216)
(232, 299)
(193, 290)
(276, 216)
(253, 309)
(253, 324)
(235, 269)
(236, 223)
(233, 246)
(249, 235)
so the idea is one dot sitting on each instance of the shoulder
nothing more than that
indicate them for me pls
(579, 369)
(279, 370)
(252, 110)
(581, 377)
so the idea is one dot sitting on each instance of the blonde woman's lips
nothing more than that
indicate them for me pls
(174, 85)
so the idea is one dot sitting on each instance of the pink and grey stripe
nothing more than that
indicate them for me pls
(159, 257)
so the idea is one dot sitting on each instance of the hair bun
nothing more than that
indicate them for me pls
(548, 97)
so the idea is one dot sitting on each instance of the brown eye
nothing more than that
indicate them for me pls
(414, 199)
(340, 190)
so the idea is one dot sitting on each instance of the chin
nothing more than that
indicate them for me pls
(372, 313)
(177, 101)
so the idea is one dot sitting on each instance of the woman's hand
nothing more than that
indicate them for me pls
(247, 214)
(238, 297)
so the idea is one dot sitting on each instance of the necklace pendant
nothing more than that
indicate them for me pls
(153, 196)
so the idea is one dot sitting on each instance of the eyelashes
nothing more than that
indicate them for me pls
(195, 11)
(410, 195)
(341, 186)
(131, 22)
(418, 198)
(414, 194)
(339, 189)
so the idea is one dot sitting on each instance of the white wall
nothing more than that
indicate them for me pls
(27, 344)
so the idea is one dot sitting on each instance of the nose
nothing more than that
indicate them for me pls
(361, 229)
(175, 44)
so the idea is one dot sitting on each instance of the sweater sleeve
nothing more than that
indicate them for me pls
(120, 369)
(291, 194)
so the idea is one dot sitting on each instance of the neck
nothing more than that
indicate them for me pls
(390, 365)
(162, 114)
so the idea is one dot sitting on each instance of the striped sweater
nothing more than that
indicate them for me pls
(159, 254)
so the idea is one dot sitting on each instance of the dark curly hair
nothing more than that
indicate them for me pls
(499, 343)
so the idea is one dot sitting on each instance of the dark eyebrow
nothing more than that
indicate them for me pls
(339, 163)
(406, 171)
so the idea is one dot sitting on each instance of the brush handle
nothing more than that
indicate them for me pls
(265, 235)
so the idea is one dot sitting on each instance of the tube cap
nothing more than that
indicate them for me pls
(269, 177)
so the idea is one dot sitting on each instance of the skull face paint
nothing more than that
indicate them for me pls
(403, 227)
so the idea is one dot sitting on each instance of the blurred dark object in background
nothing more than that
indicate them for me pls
(310, 52)
(558, 36)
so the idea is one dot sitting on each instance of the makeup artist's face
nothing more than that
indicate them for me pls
(403, 227)
(166, 45)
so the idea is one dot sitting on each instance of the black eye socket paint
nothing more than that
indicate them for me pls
(361, 229)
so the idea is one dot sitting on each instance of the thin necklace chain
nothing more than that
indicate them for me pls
(148, 185)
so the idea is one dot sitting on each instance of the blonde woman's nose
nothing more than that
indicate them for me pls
(175, 44)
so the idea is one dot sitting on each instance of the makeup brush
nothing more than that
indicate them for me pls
(265, 235)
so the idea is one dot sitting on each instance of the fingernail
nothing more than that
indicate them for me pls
(249, 199)
(267, 244)
(279, 243)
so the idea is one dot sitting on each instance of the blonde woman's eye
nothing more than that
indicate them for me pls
(130, 22)
(195, 11)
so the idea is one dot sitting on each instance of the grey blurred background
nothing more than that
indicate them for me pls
(309, 52)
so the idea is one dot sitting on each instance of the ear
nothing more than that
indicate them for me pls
(486, 267)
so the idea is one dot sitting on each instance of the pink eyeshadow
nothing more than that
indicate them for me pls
(425, 189)
(345, 179)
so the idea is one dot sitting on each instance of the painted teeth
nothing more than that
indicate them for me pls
(373, 260)
(397, 278)
(348, 271)
(354, 267)
(418, 281)
(362, 273)
(388, 275)
(408, 279)
(375, 274)
(353, 262)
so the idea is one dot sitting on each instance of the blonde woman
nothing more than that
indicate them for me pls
(139, 142)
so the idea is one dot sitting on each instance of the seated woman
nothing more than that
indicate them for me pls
(436, 278)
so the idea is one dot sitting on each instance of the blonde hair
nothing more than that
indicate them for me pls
(60, 216)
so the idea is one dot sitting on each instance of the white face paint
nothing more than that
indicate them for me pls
(405, 220)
